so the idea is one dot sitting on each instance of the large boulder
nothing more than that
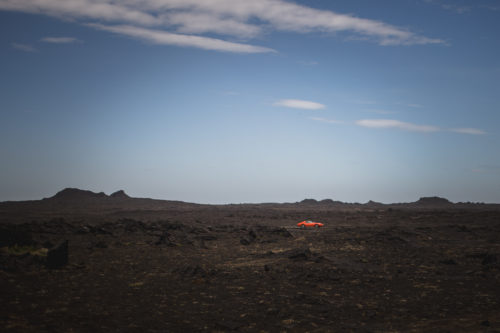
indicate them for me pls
(57, 256)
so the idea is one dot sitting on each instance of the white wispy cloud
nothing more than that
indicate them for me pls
(24, 47)
(108, 10)
(60, 40)
(239, 18)
(299, 104)
(202, 22)
(168, 38)
(326, 120)
(472, 131)
(391, 123)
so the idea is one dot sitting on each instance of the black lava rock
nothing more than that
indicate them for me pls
(57, 256)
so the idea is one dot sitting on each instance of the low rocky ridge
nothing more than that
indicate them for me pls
(77, 194)
(78, 197)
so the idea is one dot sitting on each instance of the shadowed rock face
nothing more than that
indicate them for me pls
(119, 194)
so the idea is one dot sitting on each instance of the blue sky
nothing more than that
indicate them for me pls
(227, 101)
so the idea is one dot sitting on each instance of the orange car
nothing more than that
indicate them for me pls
(305, 224)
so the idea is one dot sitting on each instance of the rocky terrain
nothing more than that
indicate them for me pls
(84, 262)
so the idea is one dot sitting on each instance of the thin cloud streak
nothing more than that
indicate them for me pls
(299, 104)
(166, 38)
(24, 47)
(472, 131)
(224, 17)
(391, 123)
(326, 120)
(60, 40)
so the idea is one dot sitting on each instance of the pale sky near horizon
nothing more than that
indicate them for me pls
(230, 101)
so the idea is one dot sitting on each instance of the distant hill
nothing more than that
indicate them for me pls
(322, 202)
(71, 194)
(372, 203)
(423, 202)
(77, 194)
(76, 199)
(309, 201)
(433, 201)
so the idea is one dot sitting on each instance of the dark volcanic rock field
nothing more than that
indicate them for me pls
(152, 266)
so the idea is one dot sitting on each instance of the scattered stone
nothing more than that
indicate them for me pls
(280, 232)
(208, 237)
(194, 271)
(96, 230)
(252, 234)
(131, 225)
(245, 241)
(463, 228)
(249, 238)
(299, 254)
(319, 259)
(486, 258)
(229, 325)
(100, 245)
(489, 259)
(165, 240)
(288, 323)
(448, 262)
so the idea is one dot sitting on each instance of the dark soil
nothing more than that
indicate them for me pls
(189, 268)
